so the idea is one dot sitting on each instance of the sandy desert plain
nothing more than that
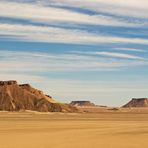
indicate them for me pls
(122, 129)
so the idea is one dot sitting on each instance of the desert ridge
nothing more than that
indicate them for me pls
(18, 97)
(15, 97)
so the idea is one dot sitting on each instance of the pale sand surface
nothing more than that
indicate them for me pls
(57, 130)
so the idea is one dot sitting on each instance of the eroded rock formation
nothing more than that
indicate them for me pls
(14, 97)
(137, 102)
(82, 104)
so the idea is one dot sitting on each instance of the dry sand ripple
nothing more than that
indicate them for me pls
(57, 130)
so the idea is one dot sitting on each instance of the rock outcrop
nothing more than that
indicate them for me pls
(82, 104)
(14, 97)
(137, 102)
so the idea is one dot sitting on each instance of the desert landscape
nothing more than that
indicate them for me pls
(29, 118)
(73, 130)
(73, 73)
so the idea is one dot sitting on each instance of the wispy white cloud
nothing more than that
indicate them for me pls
(43, 12)
(119, 55)
(39, 13)
(111, 54)
(46, 62)
(130, 8)
(130, 49)
(59, 35)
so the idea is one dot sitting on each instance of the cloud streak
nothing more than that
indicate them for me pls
(130, 8)
(130, 49)
(39, 13)
(33, 62)
(60, 35)
(50, 12)
(119, 55)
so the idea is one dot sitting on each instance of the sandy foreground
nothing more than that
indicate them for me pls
(83, 130)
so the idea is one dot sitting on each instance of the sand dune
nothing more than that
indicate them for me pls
(59, 130)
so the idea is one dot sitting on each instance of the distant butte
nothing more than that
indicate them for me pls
(82, 104)
(137, 102)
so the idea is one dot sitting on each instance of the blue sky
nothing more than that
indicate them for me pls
(77, 49)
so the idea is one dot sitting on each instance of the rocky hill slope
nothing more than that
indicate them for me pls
(15, 97)
(137, 102)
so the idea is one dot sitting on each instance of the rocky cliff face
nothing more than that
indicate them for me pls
(82, 104)
(137, 102)
(14, 97)
(37, 92)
